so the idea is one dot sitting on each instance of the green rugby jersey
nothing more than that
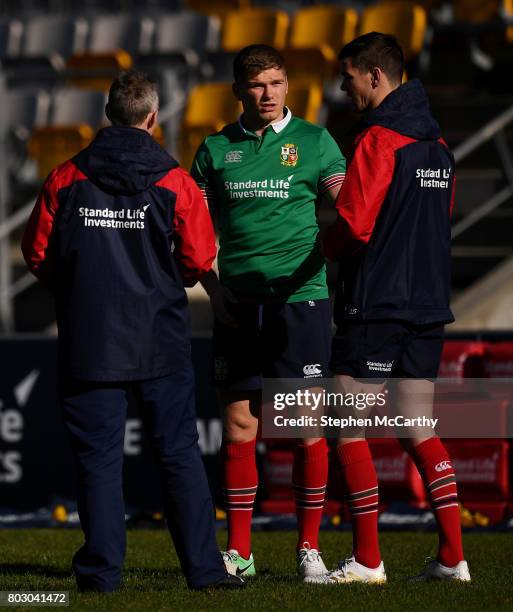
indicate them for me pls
(264, 191)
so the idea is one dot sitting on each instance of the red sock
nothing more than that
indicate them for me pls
(361, 485)
(241, 483)
(435, 467)
(309, 478)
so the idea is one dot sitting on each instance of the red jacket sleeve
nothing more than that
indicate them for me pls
(36, 241)
(195, 241)
(362, 194)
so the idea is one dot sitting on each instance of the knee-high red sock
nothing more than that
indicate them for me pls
(361, 487)
(309, 477)
(435, 467)
(241, 483)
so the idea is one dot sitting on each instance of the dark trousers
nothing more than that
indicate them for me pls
(95, 414)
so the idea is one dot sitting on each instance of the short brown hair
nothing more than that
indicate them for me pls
(376, 49)
(253, 59)
(132, 96)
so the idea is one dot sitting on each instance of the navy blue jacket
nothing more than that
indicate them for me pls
(392, 235)
(114, 233)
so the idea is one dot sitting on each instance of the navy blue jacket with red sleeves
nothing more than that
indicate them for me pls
(116, 233)
(392, 235)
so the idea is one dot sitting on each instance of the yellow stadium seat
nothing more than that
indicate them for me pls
(305, 99)
(254, 25)
(51, 146)
(508, 13)
(308, 64)
(429, 5)
(213, 104)
(219, 7)
(482, 11)
(209, 108)
(189, 140)
(316, 36)
(97, 70)
(327, 28)
(476, 11)
(405, 20)
(158, 135)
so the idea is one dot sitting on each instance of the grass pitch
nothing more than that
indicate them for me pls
(40, 560)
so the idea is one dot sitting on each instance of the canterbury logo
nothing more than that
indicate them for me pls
(312, 369)
(442, 466)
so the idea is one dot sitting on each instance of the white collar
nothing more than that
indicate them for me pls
(278, 126)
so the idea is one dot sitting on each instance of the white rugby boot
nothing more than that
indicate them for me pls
(434, 570)
(351, 571)
(309, 562)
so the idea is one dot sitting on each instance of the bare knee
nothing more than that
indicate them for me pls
(240, 423)
(239, 427)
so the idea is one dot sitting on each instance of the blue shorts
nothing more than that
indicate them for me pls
(378, 350)
(287, 340)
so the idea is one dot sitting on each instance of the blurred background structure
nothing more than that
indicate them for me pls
(57, 59)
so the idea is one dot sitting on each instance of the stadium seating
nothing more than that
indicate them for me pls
(47, 42)
(211, 104)
(477, 11)
(255, 25)
(51, 146)
(70, 106)
(323, 27)
(26, 109)
(112, 43)
(54, 37)
(74, 116)
(317, 34)
(220, 7)
(405, 20)
(10, 37)
(305, 99)
(183, 39)
(128, 32)
(209, 107)
(97, 70)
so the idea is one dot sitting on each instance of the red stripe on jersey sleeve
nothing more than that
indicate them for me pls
(195, 242)
(36, 240)
(363, 192)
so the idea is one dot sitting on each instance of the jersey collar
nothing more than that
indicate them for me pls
(278, 126)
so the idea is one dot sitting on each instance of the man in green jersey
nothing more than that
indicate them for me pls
(263, 177)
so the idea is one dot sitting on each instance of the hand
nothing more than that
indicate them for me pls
(219, 296)
(219, 299)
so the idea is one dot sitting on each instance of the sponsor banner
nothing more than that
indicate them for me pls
(398, 477)
(36, 465)
(476, 359)
(383, 408)
(482, 469)
(278, 473)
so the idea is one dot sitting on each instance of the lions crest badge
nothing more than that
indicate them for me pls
(289, 154)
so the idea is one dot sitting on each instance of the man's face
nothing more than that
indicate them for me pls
(263, 95)
(357, 85)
